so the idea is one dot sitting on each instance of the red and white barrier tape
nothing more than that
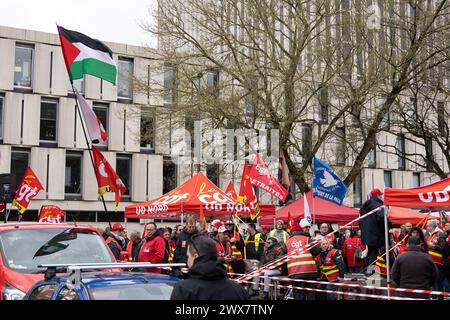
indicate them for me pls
(334, 292)
(280, 261)
(352, 285)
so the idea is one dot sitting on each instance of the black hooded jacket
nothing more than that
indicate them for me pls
(207, 280)
(372, 226)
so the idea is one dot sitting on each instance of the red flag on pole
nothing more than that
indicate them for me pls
(27, 190)
(247, 194)
(261, 177)
(107, 178)
(231, 192)
(290, 222)
(51, 214)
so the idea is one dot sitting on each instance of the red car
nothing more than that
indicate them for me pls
(24, 246)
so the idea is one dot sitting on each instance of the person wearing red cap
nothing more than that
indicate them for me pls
(372, 226)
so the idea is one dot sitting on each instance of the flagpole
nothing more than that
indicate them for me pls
(313, 198)
(89, 150)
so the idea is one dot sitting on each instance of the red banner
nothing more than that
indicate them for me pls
(107, 178)
(51, 214)
(27, 190)
(432, 195)
(231, 192)
(261, 177)
(247, 194)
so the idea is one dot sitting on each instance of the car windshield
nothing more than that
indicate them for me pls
(146, 291)
(24, 249)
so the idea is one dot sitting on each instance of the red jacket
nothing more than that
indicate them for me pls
(152, 251)
(349, 252)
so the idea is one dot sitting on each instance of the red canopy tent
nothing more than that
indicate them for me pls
(399, 216)
(195, 195)
(325, 211)
(436, 195)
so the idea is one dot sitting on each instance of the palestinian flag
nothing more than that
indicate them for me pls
(84, 55)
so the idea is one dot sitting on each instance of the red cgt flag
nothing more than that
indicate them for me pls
(261, 177)
(247, 194)
(107, 178)
(51, 214)
(27, 190)
(290, 222)
(231, 192)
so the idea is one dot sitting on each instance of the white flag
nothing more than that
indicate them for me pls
(306, 209)
(95, 129)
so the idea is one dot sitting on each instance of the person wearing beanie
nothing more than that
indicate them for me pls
(302, 264)
(279, 233)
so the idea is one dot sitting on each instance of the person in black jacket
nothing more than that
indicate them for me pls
(207, 277)
(372, 226)
(180, 255)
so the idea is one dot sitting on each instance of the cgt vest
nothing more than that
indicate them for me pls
(381, 264)
(111, 239)
(172, 246)
(223, 252)
(436, 256)
(235, 252)
(130, 250)
(299, 263)
(328, 268)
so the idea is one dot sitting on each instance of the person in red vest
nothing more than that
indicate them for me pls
(354, 264)
(237, 246)
(223, 245)
(332, 266)
(301, 265)
(134, 246)
(112, 243)
(153, 248)
(170, 246)
(436, 241)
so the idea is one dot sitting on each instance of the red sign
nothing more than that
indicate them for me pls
(432, 195)
(261, 177)
(51, 214)
(27, 190)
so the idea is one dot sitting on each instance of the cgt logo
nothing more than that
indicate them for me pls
(437, 196)
(262, 171)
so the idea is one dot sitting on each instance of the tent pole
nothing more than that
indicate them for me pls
(182, 214)
(386, 238)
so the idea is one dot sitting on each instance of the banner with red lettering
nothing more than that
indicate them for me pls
(432, 195)
(51, 214)
(27, 190)
(261, 177)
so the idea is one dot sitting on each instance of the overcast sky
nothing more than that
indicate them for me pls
(107, 20)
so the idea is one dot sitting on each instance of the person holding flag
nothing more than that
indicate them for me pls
(27, 190)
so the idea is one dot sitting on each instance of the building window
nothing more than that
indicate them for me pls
(340, 146)
(23, 67)
(323, 104)
(147, 130)
(78, 84)
(388, 179)
(442, 118)
(73, 171)
(1, 116)
(372, 158)
(401, 152)
(101, 111)
(386, 122)
(416, 180)
(429, 156)
(125, 78)
(123, 170)
(169, 175)
(213, 173)
(357, 191)
(306, 140)
(168, 86)
(20, 161)
(212, 82)
(411, 114)
(49, 120)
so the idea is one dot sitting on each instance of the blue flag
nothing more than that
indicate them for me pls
(327, 185)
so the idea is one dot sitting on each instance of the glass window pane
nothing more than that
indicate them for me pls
(147, 131)
(73, 174)
(125, 86)
(168, 86)
(416, 180)
(212, 172)
(388, 179)
(23, 66)
(1, 117)
(101, 112)
(49, 110)
(20, 160)
(123, 170)
(169, 175)
(357, 191)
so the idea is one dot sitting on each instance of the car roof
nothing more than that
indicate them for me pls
(108, 279)
(40, 225)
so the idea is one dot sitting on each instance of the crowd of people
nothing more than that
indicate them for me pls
(419, 259)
